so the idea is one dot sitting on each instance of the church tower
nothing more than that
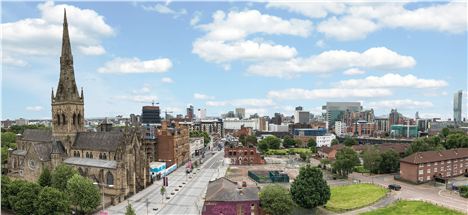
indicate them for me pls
(67, 104)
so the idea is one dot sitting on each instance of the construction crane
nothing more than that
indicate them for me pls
(166, 112)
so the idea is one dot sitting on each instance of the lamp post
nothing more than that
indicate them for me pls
(103, 185)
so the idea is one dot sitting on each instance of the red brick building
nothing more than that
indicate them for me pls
(173, 144)
(422, 167)
(243, 155)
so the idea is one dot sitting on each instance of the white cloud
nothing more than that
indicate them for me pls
(34, 108)
(309, 9)
(6, 60)
(259, 111)
(320, 43)
(400, 103)
(42, 36)
(393, 80)
(219, 51)
(354, 71)
(135, 65)
(145, 89)
(347, 28)
(237, 25)
(242, 103)
(164, 9)
(167, 80)
(374, 58)
(137, 98)
(92, 50)
(297, 93)
(195, 18)
(201, 96)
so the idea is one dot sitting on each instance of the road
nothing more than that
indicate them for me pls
(425, 192)
(189, 197)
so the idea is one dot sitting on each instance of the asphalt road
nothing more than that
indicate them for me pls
(188, 199)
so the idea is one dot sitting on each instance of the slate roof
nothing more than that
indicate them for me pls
(435, 156)
(327, 150)
(19, 152)
(105, 141)
(109, 164)
(225, 190)
(43, 150)
(37, 135)
(57, 147)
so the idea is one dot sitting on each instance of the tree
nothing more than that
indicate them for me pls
(23, 202)
(335, 142)
(276, 200)
(464, 191)
(349, 141)
(83, 193)
(11, 191)
(8, 138)
(263, 146)
(52, 201)
(163, 190)
(61, 175)
(272, 142)
(310, 190)
(312, 144)
(5, 188)
(129, 210)
(346, 159)
(371, 160)
(390, 162)
(204, 134)
(421, 145)
(456, 140)
(252, 139)
(45, 179)
(288, 141)
(243, 140)
(445, 132)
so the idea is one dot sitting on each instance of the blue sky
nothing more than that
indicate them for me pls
(267, 57)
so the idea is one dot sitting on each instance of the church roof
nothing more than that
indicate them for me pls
(104, 141)
(37, 135)
(43, 150)
(225, 190)
(57, 147)
(19, 152)
(91, 162)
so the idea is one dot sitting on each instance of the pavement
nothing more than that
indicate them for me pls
(185, 193)
(424, 192)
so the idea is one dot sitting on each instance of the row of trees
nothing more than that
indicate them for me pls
(8, 141)
(54, 193)
(19, 129)
(381, 162)
(273, 142)
(308, 190)
(445, 140)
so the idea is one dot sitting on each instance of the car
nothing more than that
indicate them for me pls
(395, 187)
(466, 174)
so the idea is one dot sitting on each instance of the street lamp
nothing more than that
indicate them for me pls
(103, 185)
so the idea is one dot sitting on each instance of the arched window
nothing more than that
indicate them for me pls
(79, 154)
(109, 178)
(74, 119)
(87, 154)
(100, 155)
(79, 118)
(64, 120)
(104, 156)
(91, 155)
(58, 119)
(74, 153)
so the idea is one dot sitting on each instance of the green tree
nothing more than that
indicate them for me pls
(464, 191)
(390, 162)
(310, 190)
(456, 140)
(371, 160)
(263, 146)
(276, 200)
(204, 134)
(272, 142)
(23, 202)
(8, 138)
(129, 210)
(349, 141)
(335, 142)
(5, 188)
(45, 179)
(312, 144)
(444, 132)
(4, 154)
(243, 140)
(346, 159)
(52, 201)
(19, 129)
(83, 193)
(61, 175)
(252, 139)
(11, 191)
(288, 142)
(422, 145)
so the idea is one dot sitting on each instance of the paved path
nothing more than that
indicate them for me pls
(187, 200)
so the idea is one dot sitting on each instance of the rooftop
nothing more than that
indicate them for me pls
(91, 162)
(434, 156)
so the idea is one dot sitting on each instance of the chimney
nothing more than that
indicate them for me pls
(164, 125)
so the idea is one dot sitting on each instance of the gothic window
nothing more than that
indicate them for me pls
(74, 119)
(58, 119)
(79, 118)
(109, 178)
(105, 156)
(74, 153)
(91, 155)
(87, 154)
(32, 164)
(79, 154)
(64, 120)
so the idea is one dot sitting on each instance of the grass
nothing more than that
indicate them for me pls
(413, 208)
(290, 151)
(350, 197)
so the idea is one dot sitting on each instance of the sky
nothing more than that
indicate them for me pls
(264, 56)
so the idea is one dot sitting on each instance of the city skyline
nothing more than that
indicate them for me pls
(207, 55)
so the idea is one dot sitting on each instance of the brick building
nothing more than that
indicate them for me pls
(173, 144)
(243, 155)
(422, 167)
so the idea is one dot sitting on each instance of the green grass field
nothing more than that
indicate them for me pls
(287, 151)
(350, 197)
(413, 208)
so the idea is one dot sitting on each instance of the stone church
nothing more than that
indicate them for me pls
(109, 156)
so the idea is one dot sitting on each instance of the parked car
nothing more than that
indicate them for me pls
(395, 187)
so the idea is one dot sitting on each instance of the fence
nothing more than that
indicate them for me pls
(268, 176)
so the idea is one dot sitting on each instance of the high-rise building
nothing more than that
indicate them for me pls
(335, 110)
(190, 113)
(457, 106)
(299, 108)
(277, 119)
(201, 114)
(301, 117)
(240, 113)
(150, 115)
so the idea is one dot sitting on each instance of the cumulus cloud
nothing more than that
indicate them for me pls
(34, 108)
(167, 80)
(164, 9)
(379, 58)
(201, 96)
(135, 65)
(195, 18)
(354, 71)
(298, 94)
(137, 98)
(42, 36)
(242, 102)
(310, 9)
(400, 103)
(145, 89)
(393, 80)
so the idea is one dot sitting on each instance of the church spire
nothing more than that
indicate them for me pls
(66, 90)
